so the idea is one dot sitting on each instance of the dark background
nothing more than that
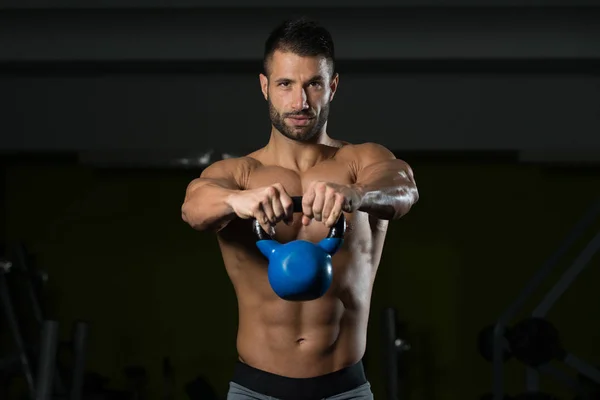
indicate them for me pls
(108, 109)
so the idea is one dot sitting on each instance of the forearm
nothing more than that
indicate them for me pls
(387, 191)
(207, 207)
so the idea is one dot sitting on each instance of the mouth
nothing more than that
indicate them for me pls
(300, 120)
(299, 117)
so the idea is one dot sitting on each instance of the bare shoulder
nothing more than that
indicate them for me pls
(369, 155)
(235, 169)
(367, 152)
(229, 166)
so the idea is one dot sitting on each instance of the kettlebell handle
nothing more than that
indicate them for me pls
(336, 231)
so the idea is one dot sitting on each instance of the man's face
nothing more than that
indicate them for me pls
(299, 91)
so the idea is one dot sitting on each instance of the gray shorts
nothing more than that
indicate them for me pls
(238, 392)
(249, 383)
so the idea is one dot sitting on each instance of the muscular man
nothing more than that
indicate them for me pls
(301, 350)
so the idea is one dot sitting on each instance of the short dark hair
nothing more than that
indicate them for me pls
(302, 36)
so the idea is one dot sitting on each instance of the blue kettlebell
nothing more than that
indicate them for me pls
(300, 270)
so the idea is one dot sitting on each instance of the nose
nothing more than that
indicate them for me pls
(300, 98)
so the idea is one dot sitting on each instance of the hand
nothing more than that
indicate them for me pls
(325, 202)
(268, 205)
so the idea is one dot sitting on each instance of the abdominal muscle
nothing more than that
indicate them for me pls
(301, 340)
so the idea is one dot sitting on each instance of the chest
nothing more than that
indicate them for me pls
(295, 184)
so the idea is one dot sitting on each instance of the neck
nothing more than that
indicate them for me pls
(295, 154)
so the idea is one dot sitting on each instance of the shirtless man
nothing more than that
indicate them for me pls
(301, 350)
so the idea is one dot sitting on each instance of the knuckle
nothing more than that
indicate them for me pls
(271, 191)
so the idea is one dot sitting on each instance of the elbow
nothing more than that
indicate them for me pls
(190, 216)
(407, 198)
(194, 218)
(415, 195)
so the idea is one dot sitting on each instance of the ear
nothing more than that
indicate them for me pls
(264, 85)
(334, 85)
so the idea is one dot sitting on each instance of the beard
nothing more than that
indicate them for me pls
(306, 133)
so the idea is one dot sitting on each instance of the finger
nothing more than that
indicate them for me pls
(278, 210)
(317, 206)
(336, 212)
(288, 209)
(268, 211)
(307, 201)
(287, 205)
(348, 205)
(268, 228)
(328, 203)
(260, 216)
(305, 220)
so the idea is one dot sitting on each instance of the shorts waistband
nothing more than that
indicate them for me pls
(285, 388)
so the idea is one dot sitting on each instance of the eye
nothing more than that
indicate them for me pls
(315, 84)
(284, 84)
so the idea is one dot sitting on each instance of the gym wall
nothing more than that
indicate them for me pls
(119, 256)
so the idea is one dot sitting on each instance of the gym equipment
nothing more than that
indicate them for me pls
(49, 379)
(300, 270)
(168, 379)
(394, 362)
(21, 358)
(47, 362)
(534, 341)
(485, 344)
(79, 344)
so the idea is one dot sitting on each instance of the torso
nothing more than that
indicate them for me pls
(303, 339)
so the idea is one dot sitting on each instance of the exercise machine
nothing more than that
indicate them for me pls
(535, 341)
(395, 346)
(36, 360)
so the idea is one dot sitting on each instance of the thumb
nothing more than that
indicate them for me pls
(305, 220)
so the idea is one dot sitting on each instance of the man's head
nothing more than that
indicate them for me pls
(299, 79)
